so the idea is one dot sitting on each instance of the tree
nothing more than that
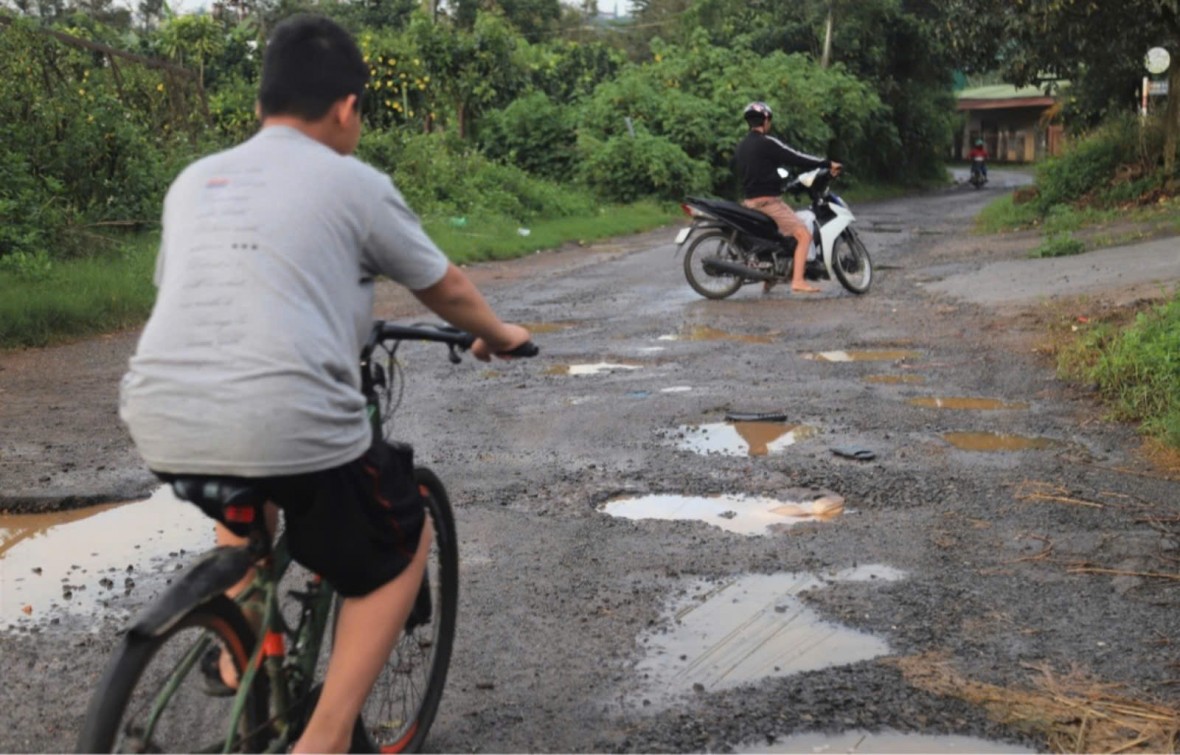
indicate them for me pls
(192, 39)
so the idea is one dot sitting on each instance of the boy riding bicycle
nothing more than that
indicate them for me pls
(247, 365)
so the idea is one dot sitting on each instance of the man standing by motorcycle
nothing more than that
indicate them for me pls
(756, 161)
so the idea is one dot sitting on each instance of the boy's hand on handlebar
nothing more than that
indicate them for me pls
(511, 337)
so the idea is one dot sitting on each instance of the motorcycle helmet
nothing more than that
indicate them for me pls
(757, 112)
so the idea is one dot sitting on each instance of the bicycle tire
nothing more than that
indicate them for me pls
(399, 711)
(132, 681)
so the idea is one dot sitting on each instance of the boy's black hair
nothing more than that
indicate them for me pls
(310, 63)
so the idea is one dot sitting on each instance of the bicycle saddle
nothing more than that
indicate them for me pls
(230, 500)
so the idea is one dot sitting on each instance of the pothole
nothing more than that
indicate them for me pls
(856, 741)
(78, 562)
(589, 369)
(548, 327)
(996, 442)
(706, 333)
(746, 515)
(742, 438)
(889, 355)
(966, 403)
(896, 379)
(742, 630)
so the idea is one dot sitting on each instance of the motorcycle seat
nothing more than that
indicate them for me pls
(743, 218)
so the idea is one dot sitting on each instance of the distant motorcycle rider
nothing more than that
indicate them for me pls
(979, 152)
(756, 161)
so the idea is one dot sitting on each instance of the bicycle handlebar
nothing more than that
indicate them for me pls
(453, 337)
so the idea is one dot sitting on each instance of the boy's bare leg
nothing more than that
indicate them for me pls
(225, 664)
(367, 629)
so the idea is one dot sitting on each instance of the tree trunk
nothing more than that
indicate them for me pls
(1172, 119)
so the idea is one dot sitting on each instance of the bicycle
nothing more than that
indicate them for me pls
(154, 696)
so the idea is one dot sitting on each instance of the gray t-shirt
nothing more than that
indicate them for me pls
(248, 364)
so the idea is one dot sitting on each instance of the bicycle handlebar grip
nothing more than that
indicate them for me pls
(526, 349)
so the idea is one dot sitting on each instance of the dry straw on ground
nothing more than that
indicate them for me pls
(1069, 713)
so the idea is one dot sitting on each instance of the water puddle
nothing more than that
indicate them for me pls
(895, 355)
(745, 515)
(705, 333)
(970, 404)
(82, 562)
(548, 327)
(895, 379)
(996, 442)
(589, 369)
(742, 438)
(722, 635)
(856, 741)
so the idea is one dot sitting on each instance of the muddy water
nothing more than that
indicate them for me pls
(895, 379)
(892, 355)
(589, 369)
(877, 742)
(725, 634)
(75, 563)
(705, 333)
(742, 438)
(996, 442)
(968, 404)
(745, 515)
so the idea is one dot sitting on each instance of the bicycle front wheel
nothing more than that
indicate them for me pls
(153, 696)
(400, 709)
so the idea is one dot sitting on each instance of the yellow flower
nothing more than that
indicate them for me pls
(160, 87)
(82, 92)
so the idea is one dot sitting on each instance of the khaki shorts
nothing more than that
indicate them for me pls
(780, 212)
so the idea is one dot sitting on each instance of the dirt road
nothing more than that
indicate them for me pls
(641, 575)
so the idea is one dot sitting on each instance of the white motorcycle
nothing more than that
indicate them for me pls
(730, 246)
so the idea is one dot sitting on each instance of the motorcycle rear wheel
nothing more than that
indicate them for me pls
(712, 285)
(851, 262)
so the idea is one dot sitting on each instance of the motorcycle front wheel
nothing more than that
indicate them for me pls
(851, 262)
(712, 284)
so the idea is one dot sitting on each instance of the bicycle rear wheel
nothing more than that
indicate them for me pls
(153, 696)
(400, 709)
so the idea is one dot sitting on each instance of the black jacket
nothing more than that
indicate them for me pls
(758, 158)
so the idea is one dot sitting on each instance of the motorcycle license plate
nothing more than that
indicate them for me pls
(683, 235)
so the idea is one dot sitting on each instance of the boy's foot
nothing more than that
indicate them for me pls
(215, 678)
(803, 288)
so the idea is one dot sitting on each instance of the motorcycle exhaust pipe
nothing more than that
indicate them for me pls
(718, 266)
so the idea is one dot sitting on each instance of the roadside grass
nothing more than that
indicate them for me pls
(1070, 229)
(44, 302)
(1135, 369)
(79, 297)
(1131, 356)
(495, 238)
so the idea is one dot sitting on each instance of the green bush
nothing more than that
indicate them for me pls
(1089, 165)
(624, 169)
(534, 133)
(442, 176)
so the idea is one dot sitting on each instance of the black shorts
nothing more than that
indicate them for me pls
(356, 525)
